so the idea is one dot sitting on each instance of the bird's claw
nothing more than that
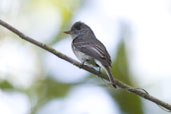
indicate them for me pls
(81, 66)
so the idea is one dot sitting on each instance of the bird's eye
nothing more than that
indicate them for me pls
(78, 27)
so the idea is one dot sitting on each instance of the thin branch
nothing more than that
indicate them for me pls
(120, 84)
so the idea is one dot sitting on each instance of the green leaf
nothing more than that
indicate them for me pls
(45, 90)
(128, 102)
(5, 85)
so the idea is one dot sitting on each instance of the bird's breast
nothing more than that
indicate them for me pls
(80, 55)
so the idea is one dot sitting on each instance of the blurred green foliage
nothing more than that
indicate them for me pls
(128, 102)
(67, 9)
(5, 85)
(46, 90)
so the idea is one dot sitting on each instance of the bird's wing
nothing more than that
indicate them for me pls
(94, 49)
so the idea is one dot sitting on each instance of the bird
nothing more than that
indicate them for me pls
(88, 49)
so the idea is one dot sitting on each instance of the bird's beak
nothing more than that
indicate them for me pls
(67, 32)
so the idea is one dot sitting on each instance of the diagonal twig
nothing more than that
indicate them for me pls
(120, 84)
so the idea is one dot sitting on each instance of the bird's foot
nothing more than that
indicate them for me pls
(82, 64)
(114, 84)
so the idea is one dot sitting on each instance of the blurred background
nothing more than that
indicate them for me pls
(135, 32)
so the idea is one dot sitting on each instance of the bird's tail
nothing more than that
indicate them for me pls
(110, 76)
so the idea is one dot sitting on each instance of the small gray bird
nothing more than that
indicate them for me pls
(89, 49)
